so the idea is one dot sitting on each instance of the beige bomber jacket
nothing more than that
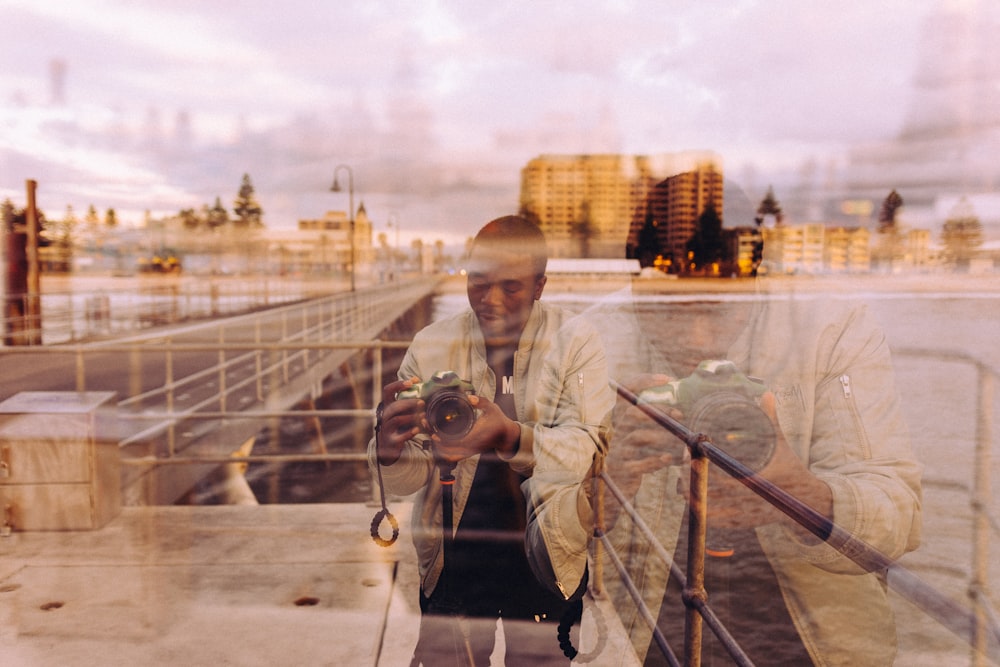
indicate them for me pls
(563, 402)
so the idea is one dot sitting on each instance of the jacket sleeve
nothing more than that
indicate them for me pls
(409, 474)
(861, 446)
(574, 408)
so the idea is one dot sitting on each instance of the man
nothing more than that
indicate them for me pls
(543, 401)
(840, 446)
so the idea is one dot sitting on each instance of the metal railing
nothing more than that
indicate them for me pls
(70, 315)
(977, 625)
(251, 367)
(336, 322)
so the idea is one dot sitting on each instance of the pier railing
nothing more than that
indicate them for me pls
(69, 316)
(192, 394)
(272, 348)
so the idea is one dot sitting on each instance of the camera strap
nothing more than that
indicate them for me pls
(383, 514)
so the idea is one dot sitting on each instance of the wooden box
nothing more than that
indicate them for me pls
(59, 461)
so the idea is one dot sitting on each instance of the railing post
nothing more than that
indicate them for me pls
(81, 372)
(305, 335)
(258, 361)
(222, 369)
(981, 497)
(284, 353)
(135, 370)
(694, 589)
(172, 428)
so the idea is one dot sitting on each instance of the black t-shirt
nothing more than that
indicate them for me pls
(489, 573)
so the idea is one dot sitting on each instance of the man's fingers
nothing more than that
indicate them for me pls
(390, 390)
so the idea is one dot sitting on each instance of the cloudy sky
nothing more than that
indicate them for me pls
(163, 104)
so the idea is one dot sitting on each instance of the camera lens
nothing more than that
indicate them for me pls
(450, 414)
(736, 426)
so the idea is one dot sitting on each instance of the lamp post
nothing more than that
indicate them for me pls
(350, 189)
(394, 224)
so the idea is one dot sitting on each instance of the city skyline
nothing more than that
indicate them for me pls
(437, 107)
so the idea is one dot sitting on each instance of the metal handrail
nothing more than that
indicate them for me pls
(71, 316)
(979, 624)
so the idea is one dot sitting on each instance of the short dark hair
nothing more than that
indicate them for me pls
(516, 234)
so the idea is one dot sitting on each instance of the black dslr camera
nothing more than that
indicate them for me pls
(449, 413)
(723, 403)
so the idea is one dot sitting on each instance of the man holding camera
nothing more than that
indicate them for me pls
(839, 445)
(537, 391)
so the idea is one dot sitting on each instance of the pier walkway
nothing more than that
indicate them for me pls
(163, 584)
(265, 585)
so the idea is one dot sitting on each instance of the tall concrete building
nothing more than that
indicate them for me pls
(595, 205)
(677, 202)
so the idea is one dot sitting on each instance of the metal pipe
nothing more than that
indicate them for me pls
(981, 495)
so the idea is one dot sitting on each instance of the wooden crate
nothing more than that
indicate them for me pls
(59, 461)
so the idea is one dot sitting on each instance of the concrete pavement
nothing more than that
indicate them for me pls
(211, 585)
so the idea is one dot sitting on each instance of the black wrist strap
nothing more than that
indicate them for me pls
(383, 514)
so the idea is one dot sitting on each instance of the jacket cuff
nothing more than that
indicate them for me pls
(845, 514)
(523, 459)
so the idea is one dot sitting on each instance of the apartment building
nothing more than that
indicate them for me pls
(592, 205)
(816, 248)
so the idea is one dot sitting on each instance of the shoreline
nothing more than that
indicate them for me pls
(926, 283)
(585, 284)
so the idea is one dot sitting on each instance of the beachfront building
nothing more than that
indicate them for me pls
(816, 248)
(744, 244)
(677, 203)
(593, 206)
(322, 245)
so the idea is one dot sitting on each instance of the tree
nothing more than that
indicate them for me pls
(65, 230)
(93, 222)
(583, 229)
(887, 214)
(648, 243)
(110, 219)
(67, 227)
(217, 216)
(417, 245)
(770, 206)
(706, 246)
(888, 248)
(961, 235)
(248, 211)
(189, 218)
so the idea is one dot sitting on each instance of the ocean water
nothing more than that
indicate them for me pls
(937, 339)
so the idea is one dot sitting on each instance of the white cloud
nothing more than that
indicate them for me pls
(767, 84)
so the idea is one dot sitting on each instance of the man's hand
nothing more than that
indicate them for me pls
(401, 420)
(493, 430)
(732, 505)
(639, 445)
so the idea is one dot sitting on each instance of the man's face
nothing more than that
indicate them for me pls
(502, 287)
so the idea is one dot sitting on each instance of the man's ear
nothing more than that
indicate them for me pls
(539, 286)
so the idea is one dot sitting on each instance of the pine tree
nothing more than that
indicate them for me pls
(770, 206)
(583, 229)
(93, 222)
(217, 216)
(888, 248)
(248, 211)
(706, 245)
(648, 246)
(887, 214)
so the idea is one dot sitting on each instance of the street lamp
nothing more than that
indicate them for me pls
(350, 189)
(394, 224)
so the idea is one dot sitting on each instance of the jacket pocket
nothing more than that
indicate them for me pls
(845, 406)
